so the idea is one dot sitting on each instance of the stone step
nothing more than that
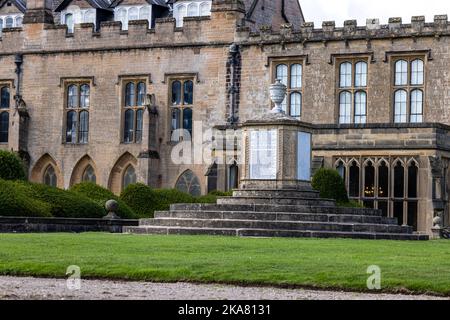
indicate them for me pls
(275, 208)
(270, 233)
(278, 216)
(276, 225)
(276, 201)
(306, 193)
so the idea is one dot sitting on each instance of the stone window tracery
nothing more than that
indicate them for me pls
(390, 185)
(181, 103)
(189, 183)
(50, 177)
(408, 90)
(133, 110)
(77, 113)
(291, 75)
(352, 91)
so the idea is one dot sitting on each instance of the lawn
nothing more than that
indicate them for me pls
(340, 264)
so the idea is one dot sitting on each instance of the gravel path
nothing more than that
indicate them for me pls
(56, 289)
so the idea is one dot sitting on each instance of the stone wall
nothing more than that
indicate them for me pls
(201, 50)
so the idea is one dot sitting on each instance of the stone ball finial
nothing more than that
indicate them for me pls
(112, 206)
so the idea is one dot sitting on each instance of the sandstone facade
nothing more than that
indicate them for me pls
(231, 58)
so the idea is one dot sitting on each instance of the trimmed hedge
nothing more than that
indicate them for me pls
(64, 203)
(145, 200)
(21, 198)
(100, 195)
(15, 202)
(11, 166)
(330, 185)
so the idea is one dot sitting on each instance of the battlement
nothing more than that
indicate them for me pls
(204, 31)
(351, 31)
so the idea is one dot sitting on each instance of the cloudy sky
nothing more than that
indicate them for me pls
(340, 10)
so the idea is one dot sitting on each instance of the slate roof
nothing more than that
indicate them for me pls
(162, 3)
(20, 4)
(97, 4)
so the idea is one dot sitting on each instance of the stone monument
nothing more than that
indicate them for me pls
(276, 149)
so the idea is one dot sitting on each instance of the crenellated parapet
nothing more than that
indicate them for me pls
(219, 29)
(351, 31)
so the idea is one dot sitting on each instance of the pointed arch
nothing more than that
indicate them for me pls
(396, 161)
(188, 182)
(79, 170)
(116, 177)
(42, 166)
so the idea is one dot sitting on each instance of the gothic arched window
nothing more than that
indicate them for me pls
(89, 175)
(129, 177)
(189, 183)
(50, 177)
(383, 180)
(354, 180)
(399, 180)
(369, 180)
(412, 180)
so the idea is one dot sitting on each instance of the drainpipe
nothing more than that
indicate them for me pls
(18, 60)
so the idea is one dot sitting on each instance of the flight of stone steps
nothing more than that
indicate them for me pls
(275, 213)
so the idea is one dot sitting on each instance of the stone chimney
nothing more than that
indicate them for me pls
(38, 11)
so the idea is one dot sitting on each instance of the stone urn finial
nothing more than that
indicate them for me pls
(277, 95)
(112, 206)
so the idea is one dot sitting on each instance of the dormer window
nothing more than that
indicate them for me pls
(10, 21)
(74, 15)
(193, 8)
(125, 14)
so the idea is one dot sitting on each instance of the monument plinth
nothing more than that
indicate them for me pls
(276, 149)
(276, 153)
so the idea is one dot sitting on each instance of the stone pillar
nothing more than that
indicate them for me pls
(38, 11)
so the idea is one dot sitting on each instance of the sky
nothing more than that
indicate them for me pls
(340, 10)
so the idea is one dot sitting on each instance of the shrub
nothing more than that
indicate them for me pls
(63, 203)
(100, 195)
(145, 200)
(330, 185)
(221, 193)
(210, 198)
(14, 201)
(11, 166)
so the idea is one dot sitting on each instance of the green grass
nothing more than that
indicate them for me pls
(419, 267)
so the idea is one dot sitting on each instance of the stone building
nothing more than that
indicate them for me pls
(93, 90)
